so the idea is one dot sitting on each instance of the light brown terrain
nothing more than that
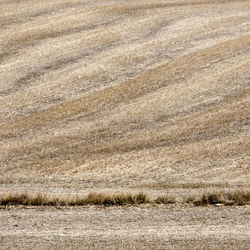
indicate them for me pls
(125, 96)
(125, 228)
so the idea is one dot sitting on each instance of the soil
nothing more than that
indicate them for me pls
(134, 227)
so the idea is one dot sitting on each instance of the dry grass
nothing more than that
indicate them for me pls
(73, 200)
(165, 199)
(226, 197)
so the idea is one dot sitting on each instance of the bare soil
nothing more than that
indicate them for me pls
(136, 227)
(124, 96)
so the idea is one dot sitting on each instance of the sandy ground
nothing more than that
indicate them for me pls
(145, 227)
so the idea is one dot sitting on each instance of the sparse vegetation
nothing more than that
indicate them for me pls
(207, 198)
(76, 200)
(166, 199)
(226, 197)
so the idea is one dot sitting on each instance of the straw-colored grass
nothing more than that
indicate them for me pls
(223, 197)
(38, 199)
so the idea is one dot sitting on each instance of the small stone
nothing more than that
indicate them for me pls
(218, 204)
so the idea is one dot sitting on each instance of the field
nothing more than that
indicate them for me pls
(126, 228)
(121, 96)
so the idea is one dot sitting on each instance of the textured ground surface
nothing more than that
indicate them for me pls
(124, 95)
(126, 228)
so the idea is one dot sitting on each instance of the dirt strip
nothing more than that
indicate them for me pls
(135, 227)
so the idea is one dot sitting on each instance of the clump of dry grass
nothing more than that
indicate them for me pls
(120, 199)
(23, 199)
(226, 197)
(91, 199)
(166, 199)
(239, 197)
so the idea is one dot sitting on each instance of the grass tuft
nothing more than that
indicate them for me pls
(240, 197)
(23, 199)
(166, 199)
(90, 199)
(225, 197)
(119, 199)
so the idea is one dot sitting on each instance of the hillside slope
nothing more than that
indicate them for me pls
(124, 94)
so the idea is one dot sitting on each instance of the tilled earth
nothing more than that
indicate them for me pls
(112, 94)
(127, 96)
(154, 227)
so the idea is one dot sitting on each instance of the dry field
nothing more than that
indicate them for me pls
(125, 96)
(125, 228)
